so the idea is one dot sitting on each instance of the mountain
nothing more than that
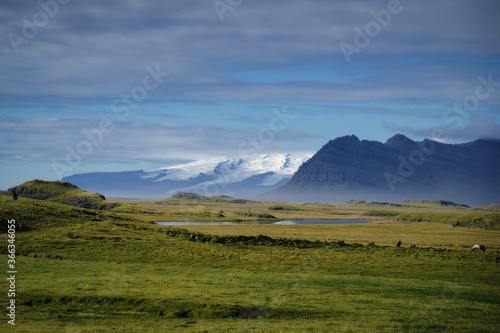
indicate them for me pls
(238, 177)
(397, 170)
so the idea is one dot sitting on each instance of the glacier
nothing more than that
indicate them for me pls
(236, 169)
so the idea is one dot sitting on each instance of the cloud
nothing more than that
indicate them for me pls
(128, 142)
(100, 49)
(486, 128)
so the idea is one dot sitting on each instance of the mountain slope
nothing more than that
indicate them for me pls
(399, 169)
(239, 177)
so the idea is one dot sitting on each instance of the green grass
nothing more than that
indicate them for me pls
(479, 220)
(97, 275)
(193, 207)
(84, 270)
(36, 214)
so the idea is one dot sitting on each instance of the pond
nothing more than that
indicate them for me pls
(285, 222)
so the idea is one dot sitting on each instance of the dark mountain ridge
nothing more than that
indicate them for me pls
(399, 169)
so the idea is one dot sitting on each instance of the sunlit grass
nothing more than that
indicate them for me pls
(101, 274)
(116, 272)
(381, 233)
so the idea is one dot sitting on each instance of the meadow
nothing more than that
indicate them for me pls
(82, 270)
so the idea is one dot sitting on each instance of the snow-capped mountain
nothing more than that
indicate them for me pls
(236, 177)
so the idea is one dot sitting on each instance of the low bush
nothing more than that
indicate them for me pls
(255, 215)
(285, 207)
(479, 220)
(383, 213)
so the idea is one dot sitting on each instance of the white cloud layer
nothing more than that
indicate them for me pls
(477, 128)
(135, 142)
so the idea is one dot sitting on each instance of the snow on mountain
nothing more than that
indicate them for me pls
(182, 171)
(235, 170)
(237, 177)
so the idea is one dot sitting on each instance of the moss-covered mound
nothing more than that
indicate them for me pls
(60, 192)
(35, 214)
(188, 198)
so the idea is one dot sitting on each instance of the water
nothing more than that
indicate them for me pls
(285, 222)
(293, 222)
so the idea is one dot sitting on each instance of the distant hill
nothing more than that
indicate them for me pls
(60, 192)
(194, 198)
(400, 169)
(437, 202)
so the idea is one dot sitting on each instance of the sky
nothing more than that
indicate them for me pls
(88, 86)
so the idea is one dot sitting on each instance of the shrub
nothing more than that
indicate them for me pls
(255, 215)
(479, 220)
(386, 213)
(284, 207)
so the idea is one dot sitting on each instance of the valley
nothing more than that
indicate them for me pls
(92, 270)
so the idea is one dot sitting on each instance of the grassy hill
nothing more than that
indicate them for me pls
(47, 204)
(187, 198)
(44, 203)
(60, 192)
(38, 214)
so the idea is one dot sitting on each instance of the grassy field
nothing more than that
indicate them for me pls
(84, 270)
(202, 208)
(386, 233)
